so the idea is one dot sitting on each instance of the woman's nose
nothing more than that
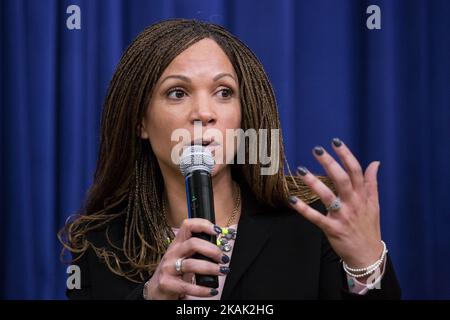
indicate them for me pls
(203, 111)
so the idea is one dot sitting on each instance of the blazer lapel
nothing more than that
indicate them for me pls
(252, 234)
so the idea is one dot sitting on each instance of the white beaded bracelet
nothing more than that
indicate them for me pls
(362, 272)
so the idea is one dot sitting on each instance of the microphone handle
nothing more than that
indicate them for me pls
(201, 205)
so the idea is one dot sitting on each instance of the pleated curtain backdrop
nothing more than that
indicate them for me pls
(385, 92)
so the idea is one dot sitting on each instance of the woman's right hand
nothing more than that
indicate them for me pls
(166, 283)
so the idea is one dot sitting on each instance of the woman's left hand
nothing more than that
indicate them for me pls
(353, 230)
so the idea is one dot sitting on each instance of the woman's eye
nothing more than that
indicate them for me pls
(176, 94)
(225, 93)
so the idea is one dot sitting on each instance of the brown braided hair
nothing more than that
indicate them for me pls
(128, 182)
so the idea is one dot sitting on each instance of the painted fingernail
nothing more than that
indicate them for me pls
(217, 229)
(225, 258)
(226, 247)
(224, 270)
(318, 150)
(214, 292)
(302, 171)
(229, 236)
(292, 200)
(223, 241)
(337, 142)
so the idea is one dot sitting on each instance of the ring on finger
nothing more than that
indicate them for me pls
(179, 266)
(335, 205)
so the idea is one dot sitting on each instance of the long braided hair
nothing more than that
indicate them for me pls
(128, 182)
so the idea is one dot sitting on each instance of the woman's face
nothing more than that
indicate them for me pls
(199, 86)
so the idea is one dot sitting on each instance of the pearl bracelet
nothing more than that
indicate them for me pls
(362, 272)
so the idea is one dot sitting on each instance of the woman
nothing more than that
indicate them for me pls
(133, 239)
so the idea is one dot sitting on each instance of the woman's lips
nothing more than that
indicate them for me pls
(211, 145)
(204, 143)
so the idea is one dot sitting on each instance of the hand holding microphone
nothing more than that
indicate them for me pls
(194, 248)
(167, 283)
(196, 165)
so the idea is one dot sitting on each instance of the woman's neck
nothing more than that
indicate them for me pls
(175, 192)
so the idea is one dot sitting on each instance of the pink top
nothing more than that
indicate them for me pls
(354, 285)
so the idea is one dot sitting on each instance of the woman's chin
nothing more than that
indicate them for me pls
(218, 169)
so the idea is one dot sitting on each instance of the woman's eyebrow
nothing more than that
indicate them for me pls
(177, 76)
(223, 74)
(188, 80)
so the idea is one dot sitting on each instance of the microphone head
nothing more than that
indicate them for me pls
(196, 157)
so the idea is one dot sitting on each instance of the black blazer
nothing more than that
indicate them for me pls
(277, 255)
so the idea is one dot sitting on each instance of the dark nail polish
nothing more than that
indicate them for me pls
(223, 241)
(217, 229)
(293, 200)
(337, 143)
(224, 270)
(318, 150)
(214, 292)
(302, 171)
(225, 258)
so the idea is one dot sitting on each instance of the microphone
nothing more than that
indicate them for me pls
(196, 165)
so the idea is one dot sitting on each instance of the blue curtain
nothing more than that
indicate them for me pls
(385, 92)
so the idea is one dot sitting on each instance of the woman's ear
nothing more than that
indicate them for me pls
(142, 132)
